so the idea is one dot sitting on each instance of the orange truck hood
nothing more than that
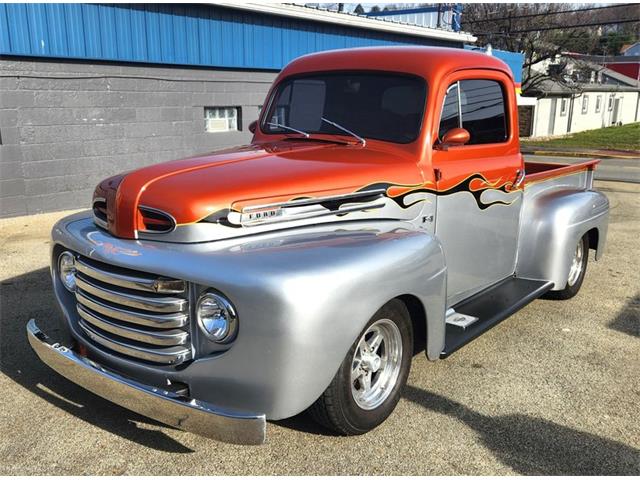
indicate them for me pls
(195, 188)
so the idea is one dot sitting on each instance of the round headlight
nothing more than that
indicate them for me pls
(67, 270)
(216, 317)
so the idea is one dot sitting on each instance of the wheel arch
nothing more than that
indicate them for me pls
(418, 317)
(593, 235)
(597, 237)
(552, 224)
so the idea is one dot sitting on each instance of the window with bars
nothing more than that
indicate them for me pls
(585, 104)
(563, 107)
(222, 119)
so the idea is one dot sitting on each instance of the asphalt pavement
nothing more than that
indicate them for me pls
(613, 169)
(554, 389)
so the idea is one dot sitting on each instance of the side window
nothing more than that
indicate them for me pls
(450, 116)
(483, 113)
(563, 107)
(585, 104)
(480, 105)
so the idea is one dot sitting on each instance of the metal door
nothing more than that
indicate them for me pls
(616, 111)
(477, 212)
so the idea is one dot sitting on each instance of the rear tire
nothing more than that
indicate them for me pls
(576, 272)
(369, 382)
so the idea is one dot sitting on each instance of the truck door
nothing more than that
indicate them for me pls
(477, 212)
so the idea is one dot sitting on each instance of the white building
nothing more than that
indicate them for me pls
(560, 109)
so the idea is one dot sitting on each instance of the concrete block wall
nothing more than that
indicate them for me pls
(66, 125)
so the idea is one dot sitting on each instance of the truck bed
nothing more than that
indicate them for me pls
(539, 171)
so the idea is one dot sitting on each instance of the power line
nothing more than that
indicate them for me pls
(584, 35)
(595, 24)
(565, 27)
(545, 14)
(603, 39)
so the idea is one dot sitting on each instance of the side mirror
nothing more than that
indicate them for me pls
(252, 126)
(455, 138)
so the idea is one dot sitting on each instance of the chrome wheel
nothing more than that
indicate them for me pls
(368, 385)
(376, 364)
(576, 265)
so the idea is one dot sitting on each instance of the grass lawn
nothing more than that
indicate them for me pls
(625, 137)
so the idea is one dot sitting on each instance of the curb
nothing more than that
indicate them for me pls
(595, 154)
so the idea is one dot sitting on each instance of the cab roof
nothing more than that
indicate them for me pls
(428, 62)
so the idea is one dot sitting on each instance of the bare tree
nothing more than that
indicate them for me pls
(542, 31)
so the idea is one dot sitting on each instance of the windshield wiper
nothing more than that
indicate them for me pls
(360, 139)
(273, 124)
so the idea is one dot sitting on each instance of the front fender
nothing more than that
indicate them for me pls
(302, 298)
(551, 225)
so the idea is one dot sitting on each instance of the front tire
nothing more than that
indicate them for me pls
(576, 272)
(369, 382)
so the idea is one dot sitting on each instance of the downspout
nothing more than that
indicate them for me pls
(570, 120)
(535, 118)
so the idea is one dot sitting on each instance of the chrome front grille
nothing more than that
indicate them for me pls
(136, 314)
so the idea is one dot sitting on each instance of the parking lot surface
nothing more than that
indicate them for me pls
(554, 389)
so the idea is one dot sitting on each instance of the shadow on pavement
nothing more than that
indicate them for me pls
(31, 296)
(628, 320)
(533, 446)
(304, 423)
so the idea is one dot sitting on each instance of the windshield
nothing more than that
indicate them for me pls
(381, 106)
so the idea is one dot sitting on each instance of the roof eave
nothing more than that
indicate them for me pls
(348, 20)
(551, 92)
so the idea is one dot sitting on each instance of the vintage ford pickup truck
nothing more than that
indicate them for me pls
(382, 207)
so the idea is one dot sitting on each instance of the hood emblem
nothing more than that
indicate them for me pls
(304, 208)
(260, 216)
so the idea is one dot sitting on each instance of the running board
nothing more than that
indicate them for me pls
(490, 307)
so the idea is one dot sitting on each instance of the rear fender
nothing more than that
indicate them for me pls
(551, 225)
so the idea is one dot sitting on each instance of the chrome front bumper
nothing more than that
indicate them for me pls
(164, 406)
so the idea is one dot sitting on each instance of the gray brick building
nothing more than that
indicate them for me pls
(61, 135)
(70, 116)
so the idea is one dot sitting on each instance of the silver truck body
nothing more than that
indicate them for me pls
(303, 296)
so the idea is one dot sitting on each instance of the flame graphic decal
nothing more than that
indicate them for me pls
(475, 184)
